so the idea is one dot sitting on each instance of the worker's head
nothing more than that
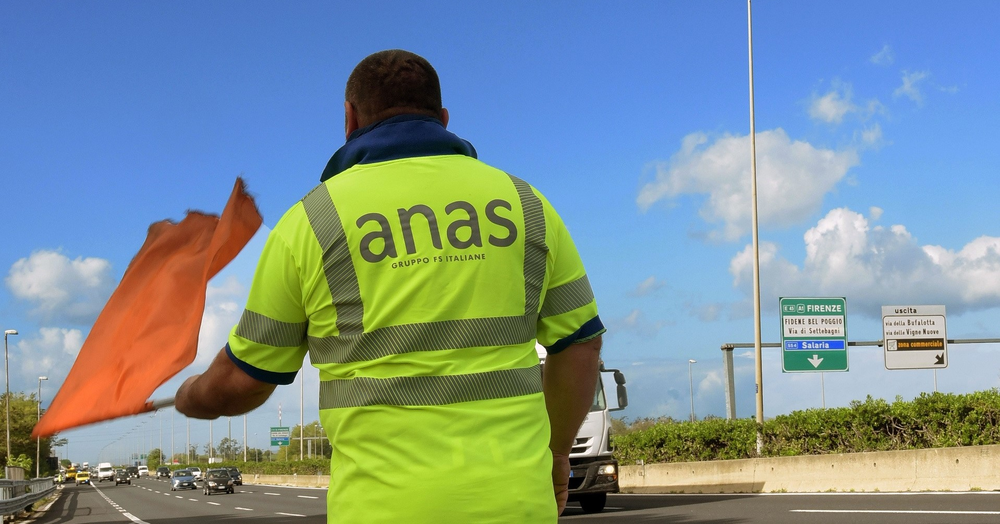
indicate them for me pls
(390, 83)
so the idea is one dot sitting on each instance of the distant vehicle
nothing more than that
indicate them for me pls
(182, 479)
(217, 480)
(196, 471)
(105, 472)
(121, 477)
(133, 472)
(86, 465)
(163, 471)
(236, 475)
(82, 477)
(143, 471)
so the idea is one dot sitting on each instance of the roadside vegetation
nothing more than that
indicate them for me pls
(932, 420)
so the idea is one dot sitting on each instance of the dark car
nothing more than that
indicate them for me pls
(121, 477)
(236, 475)
(182, 479)
(133, 472)
(217, 480)
(163, 471)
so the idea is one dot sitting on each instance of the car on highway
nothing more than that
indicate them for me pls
(163, 471)
(82, 477)
(133, 472)
(218, 480)
(182, 479)
(236, 475)
(143, 471)
(196, 471)
(122, 477)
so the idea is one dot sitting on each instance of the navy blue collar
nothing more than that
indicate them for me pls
(402, 136)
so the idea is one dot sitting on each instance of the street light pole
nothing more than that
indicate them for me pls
(691, 383)
(6, 374)
(38, 450)
(302, 419)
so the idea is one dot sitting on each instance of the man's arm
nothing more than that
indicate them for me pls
(569, 382)
(222, 390)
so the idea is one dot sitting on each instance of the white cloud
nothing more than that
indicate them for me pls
(875, 213)
(792, 178)
(62, 290)
(871, 137)
(884, 56)
(647, 286)
(872, 266)
(636, 323)
(51, 353)
(832, 107)
(223, 307)
(910, 87)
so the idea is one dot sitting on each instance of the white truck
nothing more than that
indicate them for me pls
(593, 469)
(105, 472)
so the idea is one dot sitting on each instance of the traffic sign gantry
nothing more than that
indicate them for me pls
(813, 334)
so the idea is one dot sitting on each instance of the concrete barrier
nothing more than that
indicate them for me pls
(943, 469)
(301, 481)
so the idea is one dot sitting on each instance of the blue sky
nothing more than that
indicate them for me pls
(876, 161)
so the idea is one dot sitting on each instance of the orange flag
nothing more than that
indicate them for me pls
(148, 330)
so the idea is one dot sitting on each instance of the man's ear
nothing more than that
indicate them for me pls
(350, 120)
(444, 116)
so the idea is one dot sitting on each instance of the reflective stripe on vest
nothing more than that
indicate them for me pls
(268, 331)
(567, 297)
(429, 390)
(354, 345)
(337, 264)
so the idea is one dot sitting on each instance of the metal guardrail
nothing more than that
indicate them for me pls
(16, 495)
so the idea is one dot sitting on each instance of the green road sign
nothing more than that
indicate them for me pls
(813, 334)
(280, 435)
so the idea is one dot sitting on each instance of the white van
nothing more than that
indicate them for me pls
(105, 472)
(143, 471)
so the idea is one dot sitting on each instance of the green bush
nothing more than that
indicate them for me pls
(932, 420)
(317, 466)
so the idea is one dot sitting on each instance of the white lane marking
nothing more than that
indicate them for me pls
(243, 509)
(215, 503)
(178, 496)
(127, 515)
(898, 511)
(193, 500)
(288, 514)
(306, 497)
(817, 494)
(276, 494)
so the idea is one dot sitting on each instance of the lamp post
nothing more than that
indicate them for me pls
(38, 450)
(691, 383)
(6, 374)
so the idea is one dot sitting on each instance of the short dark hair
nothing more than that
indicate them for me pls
(393, 82)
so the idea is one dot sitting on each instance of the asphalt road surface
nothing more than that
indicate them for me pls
(149, 500)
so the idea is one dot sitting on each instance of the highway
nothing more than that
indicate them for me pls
(149, 500)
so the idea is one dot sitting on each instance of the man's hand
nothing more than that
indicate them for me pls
(182, 399)
(222, 390)
(560, 479)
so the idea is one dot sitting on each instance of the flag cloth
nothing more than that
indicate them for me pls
(148, 330)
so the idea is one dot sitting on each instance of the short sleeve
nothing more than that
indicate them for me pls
(568, 313)
(269, 342)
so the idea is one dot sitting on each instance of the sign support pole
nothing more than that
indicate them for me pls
(758, 363)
